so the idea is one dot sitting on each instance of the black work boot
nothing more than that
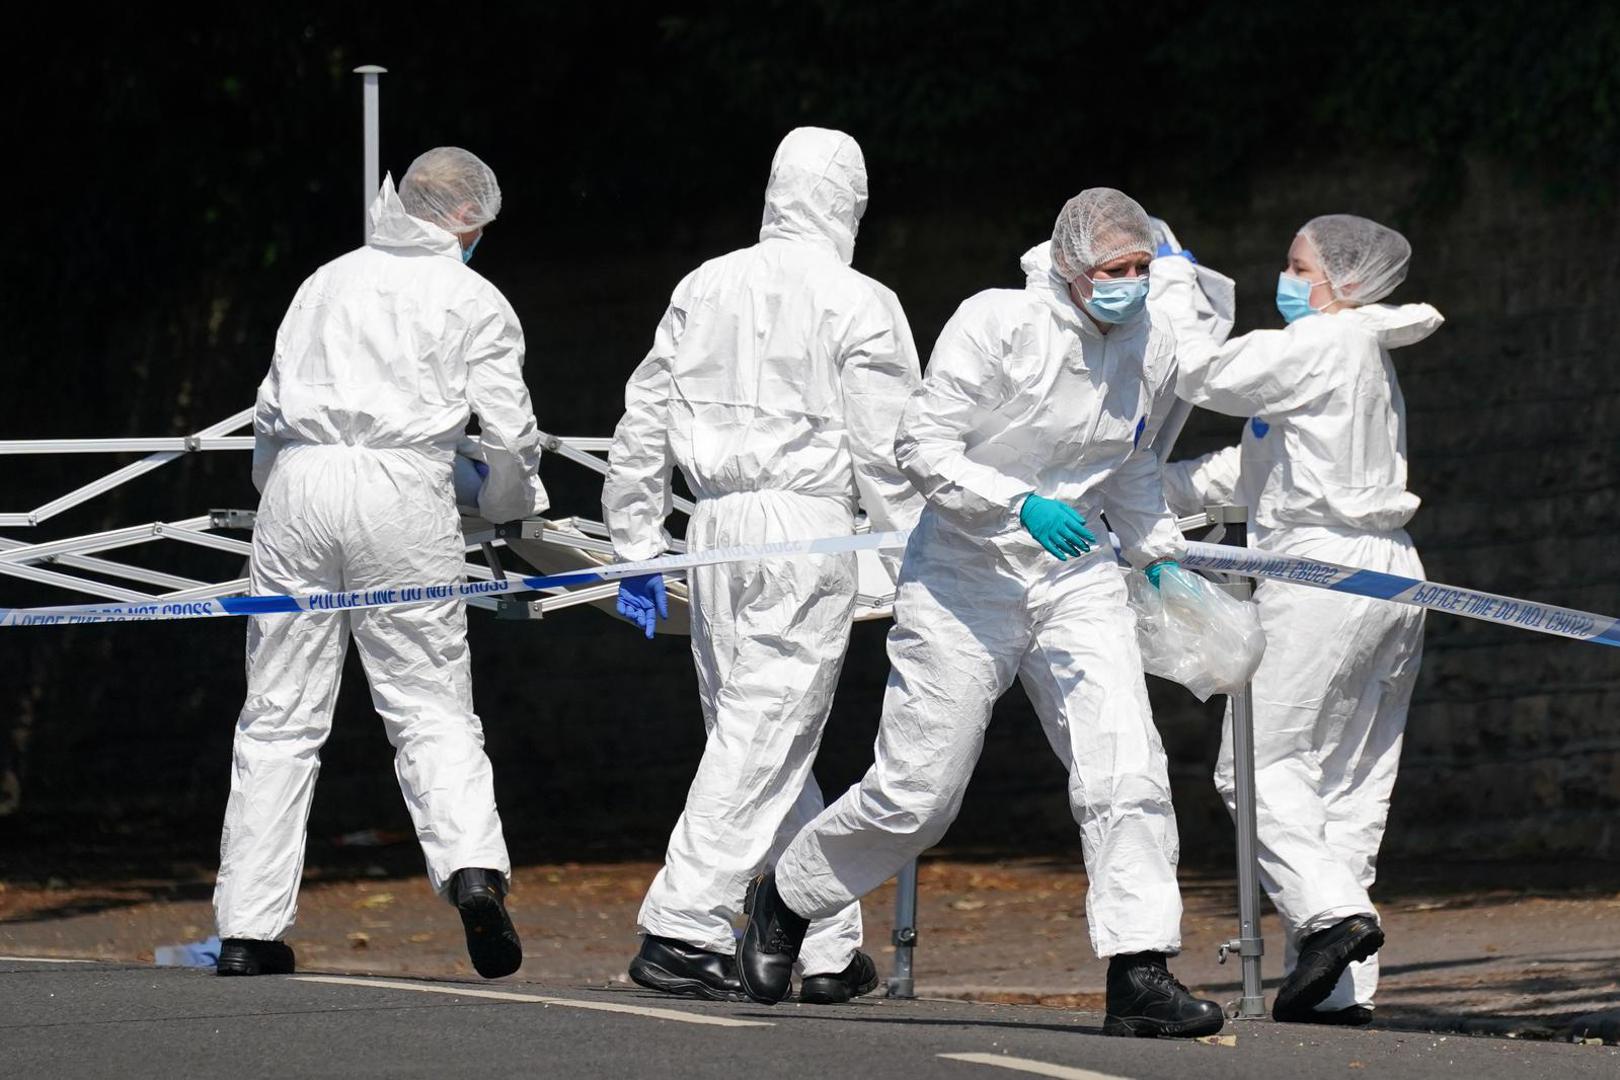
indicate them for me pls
(1354, 1016)
(859, 977)
(770, 943)
(247, 956)
(1322, 959)
(492, 941)
(1145, 1000)
(674, 967)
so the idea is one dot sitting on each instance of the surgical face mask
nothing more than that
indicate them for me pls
(466, 252)
(1294, 297)
(1113, 300)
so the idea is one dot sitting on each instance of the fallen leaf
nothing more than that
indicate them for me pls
(359, 939)
(966, 905)
(375, 900)
(417, 939)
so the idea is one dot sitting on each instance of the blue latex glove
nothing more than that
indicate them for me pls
(481, 469)
(640, 598)
(1057, 526)
(1164, 250)
(1153, 570)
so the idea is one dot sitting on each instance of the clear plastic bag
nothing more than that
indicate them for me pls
(1192, 632)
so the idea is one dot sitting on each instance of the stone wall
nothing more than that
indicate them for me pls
(1514, 745)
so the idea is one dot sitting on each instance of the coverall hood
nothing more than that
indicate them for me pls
(389, 226)
(1398, 325)
(817, 190)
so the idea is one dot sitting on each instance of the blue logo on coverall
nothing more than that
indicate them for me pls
(1141, 426)
(1260, 427)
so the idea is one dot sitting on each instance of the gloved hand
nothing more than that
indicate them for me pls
(1164, 249)
(640, 597)
(1153, 571)
(1058, 527)
(481, 469)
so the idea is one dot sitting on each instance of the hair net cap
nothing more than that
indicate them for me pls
(1097, 226)
(1363, 260)
(451, 188)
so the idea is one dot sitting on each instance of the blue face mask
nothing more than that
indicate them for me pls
(1113, 300)
(466, 252)
(1294, 297)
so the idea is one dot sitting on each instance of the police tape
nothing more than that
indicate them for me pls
(159, 609)
(1470, 603)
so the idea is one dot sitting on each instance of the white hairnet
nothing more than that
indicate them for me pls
(1363, 260)
(1096, 226)
(451, 188)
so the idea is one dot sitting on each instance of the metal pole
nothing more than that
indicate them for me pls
(373, 148)
(1250, 946)
(1170, 430)
(901, 984)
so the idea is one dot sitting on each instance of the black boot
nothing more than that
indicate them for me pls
(674, 967)
(860, 977)
(1145, 1000)
(1354, 1016)
(1322, 959)
(492, 942)
(770, 944)
(246, 956)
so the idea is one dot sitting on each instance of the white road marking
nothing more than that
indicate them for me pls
(41, 960)
(571, 1003)
(1031, 1066)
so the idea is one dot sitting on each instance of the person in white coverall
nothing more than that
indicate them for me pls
(775, 381)
(378, 363)
(1322, 465)
(1034, 420)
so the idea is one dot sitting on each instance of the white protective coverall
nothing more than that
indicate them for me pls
(1023, 394)
(377, 363)
(775, 381)
(1322, 465)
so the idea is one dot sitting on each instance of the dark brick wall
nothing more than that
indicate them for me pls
(1514, 746)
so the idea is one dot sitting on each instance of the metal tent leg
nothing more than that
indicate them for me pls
(1249, 945)
(901, 983)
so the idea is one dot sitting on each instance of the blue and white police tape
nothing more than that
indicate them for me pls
(1489, 607)
(161, 609)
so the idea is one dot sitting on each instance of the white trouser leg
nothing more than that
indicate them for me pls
(960, 627)
(1311, 888)
(1359, 770)
(1083, 674)
(294, 663)
(768, 640)
(831, 942)
(420, 670)
(1331, 698)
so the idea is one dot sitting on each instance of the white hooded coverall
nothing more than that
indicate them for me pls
(1322, 465)
(1023, 394)
(775, 381)
(378, 362)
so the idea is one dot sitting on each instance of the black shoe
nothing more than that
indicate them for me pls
(1354, 1016)
(245, 956)
(770, 943)
(1145, 1000)
(860, 977)
(492, 942)
(674, 967)
(1322, 959)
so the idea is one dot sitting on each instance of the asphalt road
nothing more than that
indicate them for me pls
(91, 1020)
